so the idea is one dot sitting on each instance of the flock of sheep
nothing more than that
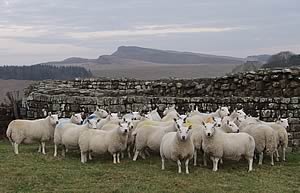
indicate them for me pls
(216, 136)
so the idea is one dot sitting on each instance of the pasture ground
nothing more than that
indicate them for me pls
(33, 172)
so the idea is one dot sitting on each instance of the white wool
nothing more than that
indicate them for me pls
(31, 131)
(218, 144)
(177, 146)
(149, 136)
(68, 134)
(99, 142)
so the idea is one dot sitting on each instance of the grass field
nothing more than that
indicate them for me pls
(32, 172)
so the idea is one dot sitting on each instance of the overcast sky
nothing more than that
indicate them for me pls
(33, 31)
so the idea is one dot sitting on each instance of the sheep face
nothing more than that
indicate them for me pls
(232, 127)
(283, 122)
(136, 115)
(53, 119)
(92, 123)
(209, 129)
(223, 111)
(183, 133)
(101, 113)
(124, 128)
(77, 118)
(241, 113)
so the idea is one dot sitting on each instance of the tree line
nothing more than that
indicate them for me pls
(43, 72)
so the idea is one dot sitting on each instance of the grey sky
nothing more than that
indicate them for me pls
(33, 31)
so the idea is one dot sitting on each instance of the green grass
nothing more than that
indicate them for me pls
(33, 172)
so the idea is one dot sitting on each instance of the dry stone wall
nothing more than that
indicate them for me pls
(264, 93)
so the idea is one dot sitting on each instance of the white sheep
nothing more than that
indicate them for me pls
(149, 136)
(68, 134)
(177, 146)
(75, 118)
(197, 135)
(153, 115)
(218, 144)
(264, 136)
(98, 113)
(98, 141)
(31, 131)
(279, 126)
(132, 116)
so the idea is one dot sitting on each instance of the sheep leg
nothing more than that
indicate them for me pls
(250, 161)
(179, 166)
(114, 158)
(136, 154)
(204, 159)
(90, 155)
(283, 153)
(118, 157)
(221, 161)
(146, 152)
(55, 150)
(40, 148)
(122, 155)
(277, 155)
(16, 148)
(128, 152)
(215, 164)
(187, 166)
(63, 151)
(82, 157)
(195, 157)
(43, 148)
(142, 154)
(272, 159)
(261, 156)
(162, 163)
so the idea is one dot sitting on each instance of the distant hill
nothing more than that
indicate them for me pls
(172, 57)
(283, 59)
(139, 55)
(280, 60)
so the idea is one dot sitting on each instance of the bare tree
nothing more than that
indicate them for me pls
(13, 98)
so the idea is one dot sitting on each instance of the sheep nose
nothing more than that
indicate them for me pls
(208, 134)
(125, 131)
(183, 137)
(56, 122)
(238, 131)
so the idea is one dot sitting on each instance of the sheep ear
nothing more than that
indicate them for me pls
(98, 120)
(184, 120)
(89, 122)
(203, 123)
(190, 127)
(175, 119)
(49, 114)
(227, 122)
(120, 124)
(124, 120)
(72, 114)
